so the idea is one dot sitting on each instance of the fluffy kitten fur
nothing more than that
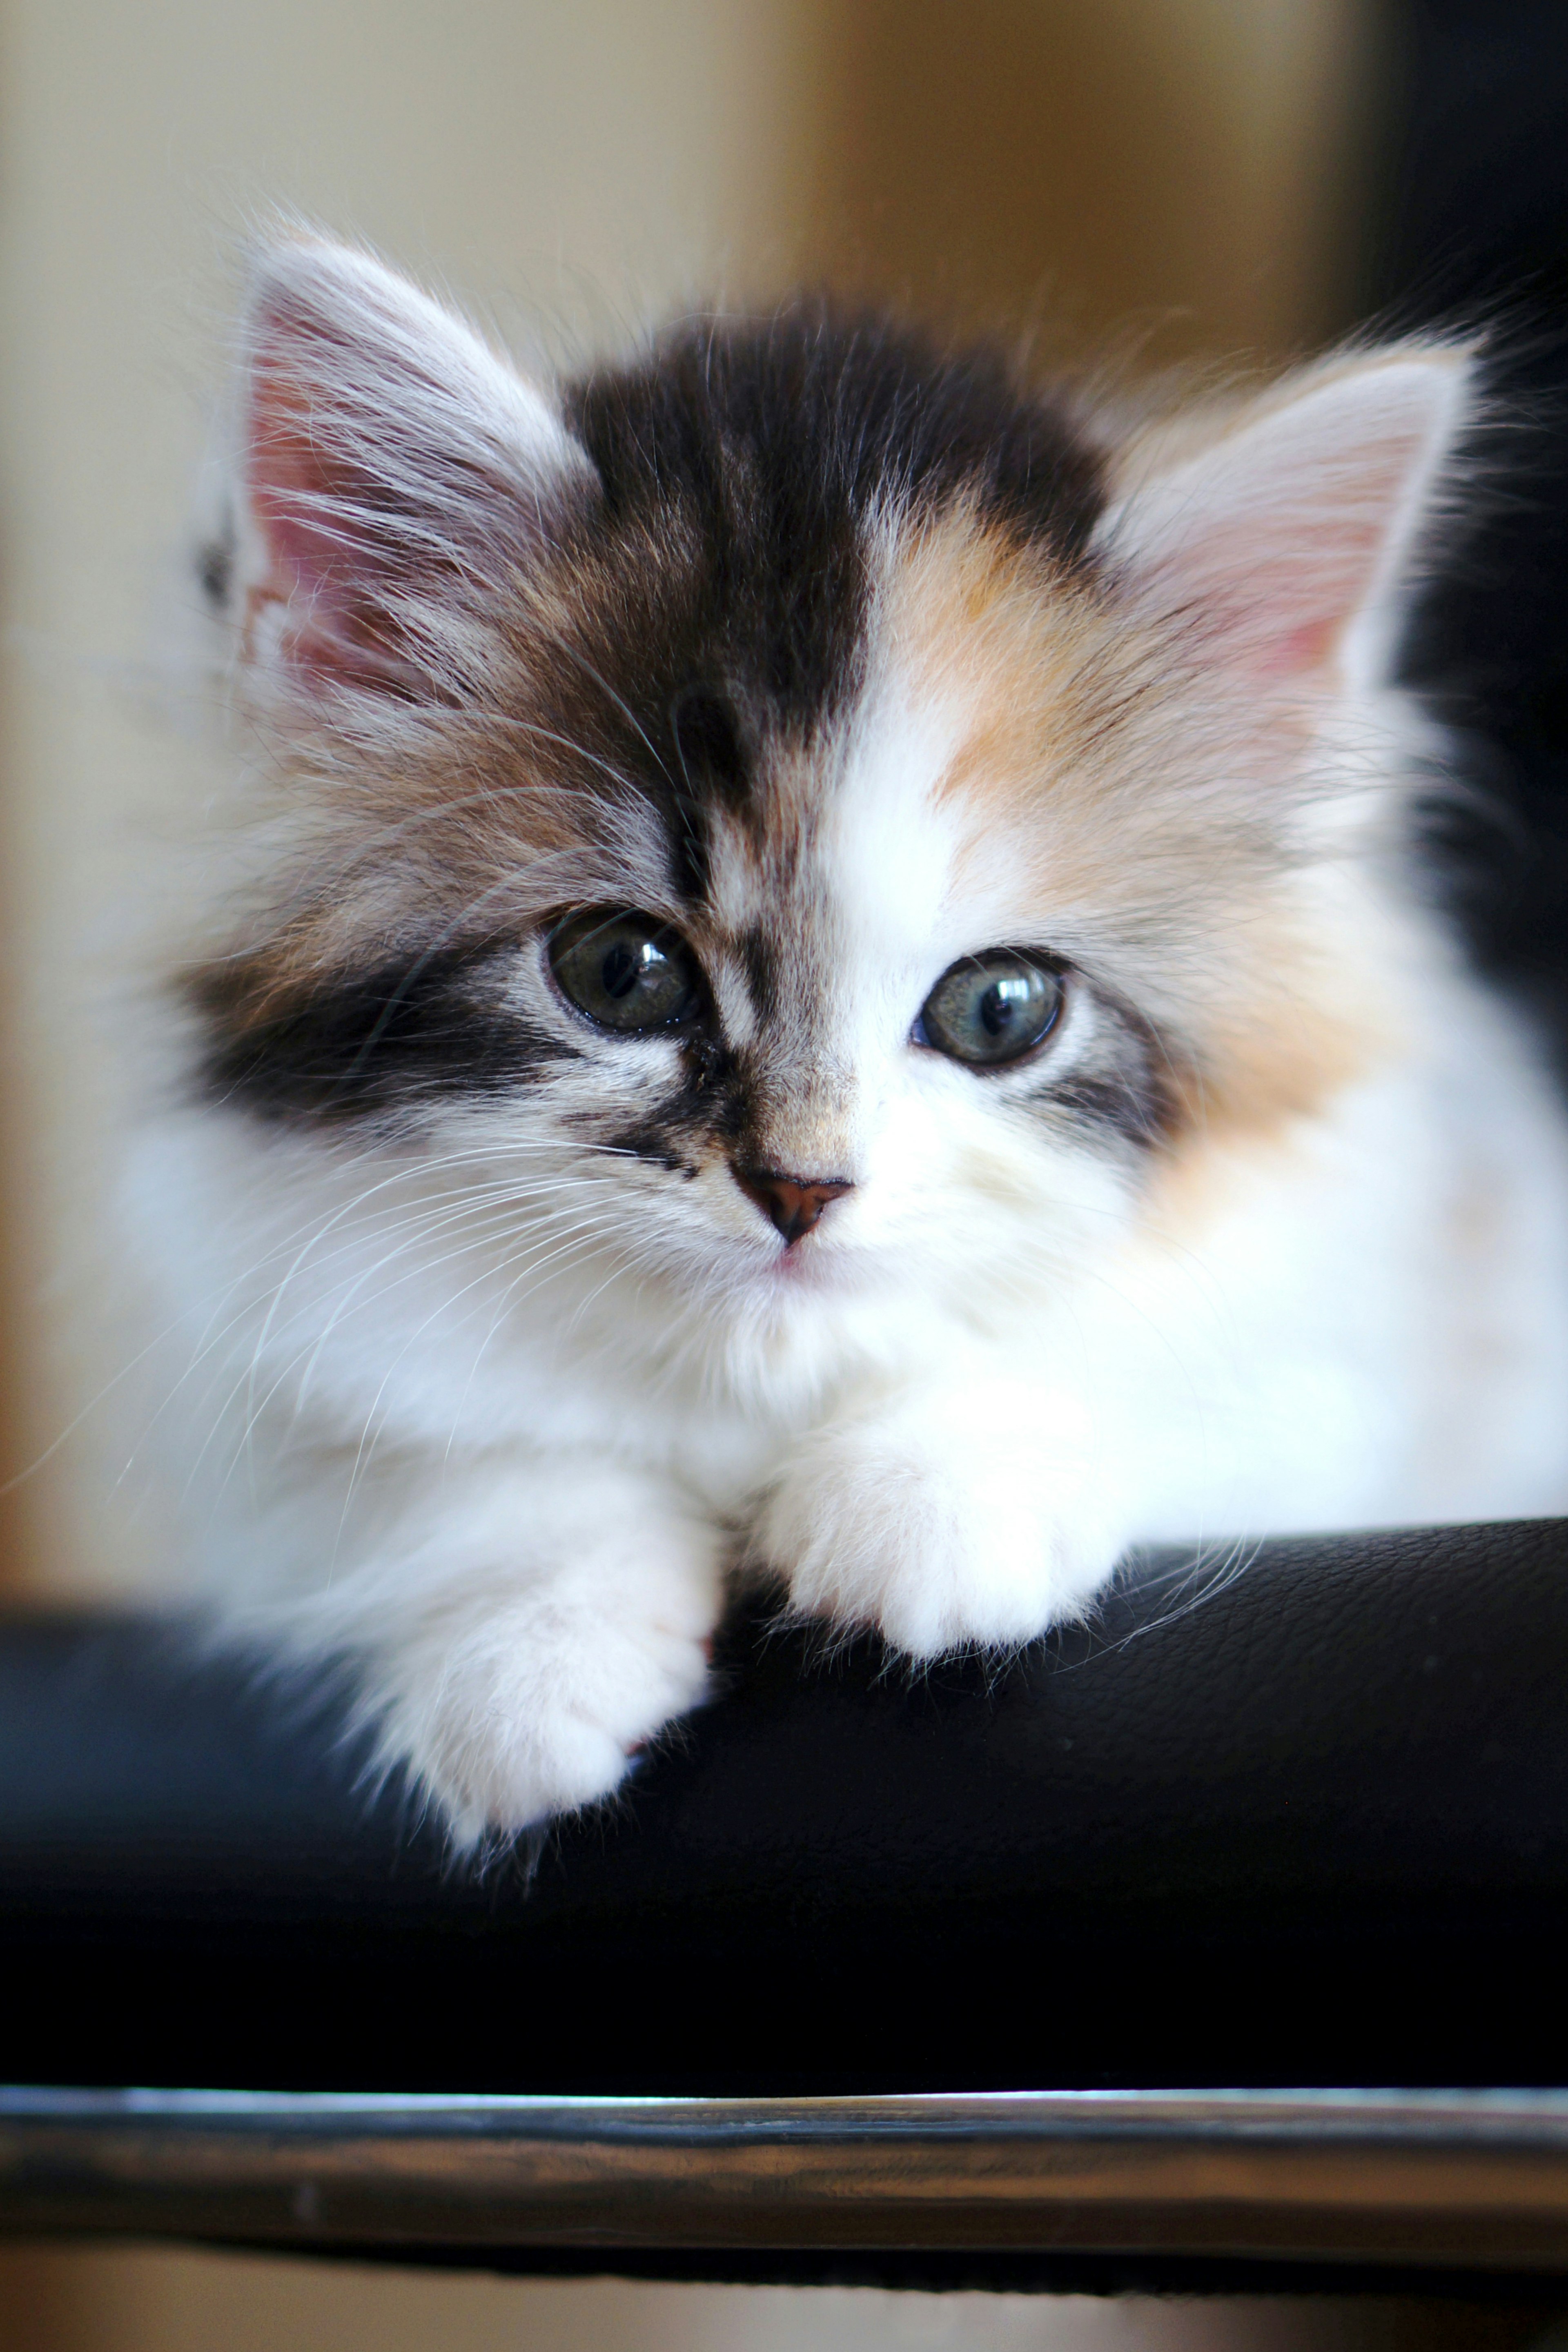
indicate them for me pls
(846, 662)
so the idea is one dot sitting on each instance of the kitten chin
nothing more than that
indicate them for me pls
(813, 961)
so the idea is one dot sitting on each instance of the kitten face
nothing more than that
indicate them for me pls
(664, 776)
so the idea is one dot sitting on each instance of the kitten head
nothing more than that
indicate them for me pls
(858, 817)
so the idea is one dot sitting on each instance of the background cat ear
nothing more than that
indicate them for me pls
(1284, 545)
(393, 475)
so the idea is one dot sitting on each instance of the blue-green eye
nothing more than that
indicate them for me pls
(991, 1008)
(625, 971)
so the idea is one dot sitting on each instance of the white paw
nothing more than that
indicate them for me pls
(943, 1525)
(512, 1698)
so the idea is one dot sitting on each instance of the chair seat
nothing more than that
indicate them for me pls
(1293, 1819)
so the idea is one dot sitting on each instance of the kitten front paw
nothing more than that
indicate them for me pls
(516, 1700)
(928, 1525)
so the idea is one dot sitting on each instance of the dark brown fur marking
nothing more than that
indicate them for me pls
(380, 1044)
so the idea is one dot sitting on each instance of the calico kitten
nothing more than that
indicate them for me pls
(815, 962)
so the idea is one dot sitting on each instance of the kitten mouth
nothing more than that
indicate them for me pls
(794, 1265)
(805, 1266)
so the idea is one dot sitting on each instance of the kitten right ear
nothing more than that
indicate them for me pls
(393, 475)
(1283, 542)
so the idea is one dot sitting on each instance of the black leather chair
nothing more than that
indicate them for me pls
(1093, 1970)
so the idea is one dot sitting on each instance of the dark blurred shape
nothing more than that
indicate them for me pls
(1472, 229)
(1479, 191)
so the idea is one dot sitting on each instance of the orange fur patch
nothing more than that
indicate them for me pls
(1134, 798)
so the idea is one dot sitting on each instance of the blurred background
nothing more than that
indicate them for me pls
(1152, 181)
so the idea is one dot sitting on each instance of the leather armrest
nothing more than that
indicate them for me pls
(1298, 1820)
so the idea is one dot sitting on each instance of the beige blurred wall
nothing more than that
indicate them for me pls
(1174, 174)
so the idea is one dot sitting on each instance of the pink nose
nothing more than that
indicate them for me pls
(794, 1203)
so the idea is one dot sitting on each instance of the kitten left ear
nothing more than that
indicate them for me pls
(394, 476)
(1283, 548)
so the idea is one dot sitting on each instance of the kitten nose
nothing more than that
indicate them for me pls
(794, 1203)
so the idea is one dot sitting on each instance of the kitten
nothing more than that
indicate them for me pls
(814, 961)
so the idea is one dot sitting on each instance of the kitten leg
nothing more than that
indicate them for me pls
(943, 1517)
(522, 1631)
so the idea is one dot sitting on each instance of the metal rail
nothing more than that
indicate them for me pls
(1471, 2180)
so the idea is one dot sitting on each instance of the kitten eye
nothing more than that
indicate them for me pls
(625, 971)
(991, 1008)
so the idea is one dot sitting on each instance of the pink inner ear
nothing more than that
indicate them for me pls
(1276, 596)
(315, 510)
(1273, 591)
(1280, 548)
(1308, 648)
